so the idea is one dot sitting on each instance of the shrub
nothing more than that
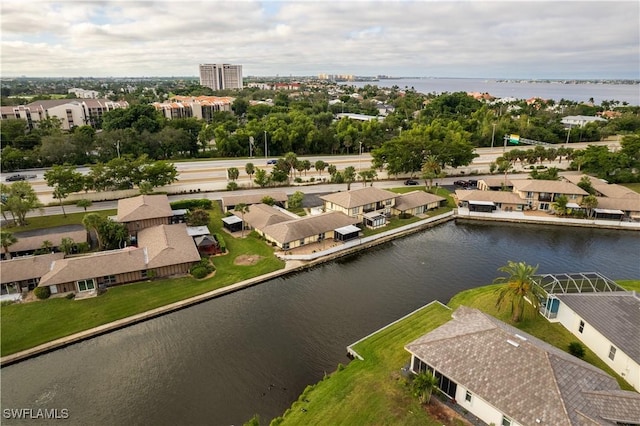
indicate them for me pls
(199, 272)
(202, 268)
(221, 243)
(70, 296)
(298, 180)
(192, 204)
(232, 186)
(42, 292)
(576, 349)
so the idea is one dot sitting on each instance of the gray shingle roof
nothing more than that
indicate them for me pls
(168, 245)
(523, 377)
(616, 315)
(144, 207)
(261, 215)
(414, 199)
(308, 226)
(27, 267)
(550, 186)
(359, 197)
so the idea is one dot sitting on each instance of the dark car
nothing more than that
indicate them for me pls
(462, 183)
(411, 182)
(15, 178)
(271, 162)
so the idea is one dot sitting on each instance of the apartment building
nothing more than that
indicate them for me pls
(221, 76)
(200, 107)
(71, 112)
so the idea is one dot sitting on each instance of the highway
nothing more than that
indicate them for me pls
(211, 174)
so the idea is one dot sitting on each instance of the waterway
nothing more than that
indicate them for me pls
(557, 91)
(254, 351)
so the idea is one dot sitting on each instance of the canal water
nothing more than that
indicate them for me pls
(254, 351)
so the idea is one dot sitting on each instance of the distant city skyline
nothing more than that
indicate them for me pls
(472, 39)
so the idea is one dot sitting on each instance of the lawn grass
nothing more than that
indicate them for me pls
(372, 391)
(42, 222)
(26, 325)
(634, 186)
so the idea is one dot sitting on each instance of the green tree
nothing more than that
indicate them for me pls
(19, 198)
(517, 287)
(92, 222)
(84, 203)
(241, 208)
(250, 169)
(157, 173)
(560, 205)
(268, 200)
(262, 178)
(349, 176)
(64, 180)
(233, 173)
(295, 200)
(590, 202)
(197, 217)
(67, 245)
(431, 169)
(320, 166)
(7, 239)
(585, 184)
(423, 385)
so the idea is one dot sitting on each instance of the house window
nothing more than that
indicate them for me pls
(467, 397)
(612, 353)
(581, 327)
(506, 421)
(354, 210)
(285, 246)
(109, 279)
(144, 274)
(86, 285)
(302, 241)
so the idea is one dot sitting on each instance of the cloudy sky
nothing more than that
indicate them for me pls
(501, 39)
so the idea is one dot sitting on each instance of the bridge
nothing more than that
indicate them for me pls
(516, 140)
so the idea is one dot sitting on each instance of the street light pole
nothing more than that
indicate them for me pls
(360, 156)
(568, 133)
(265, 145)
(493, 134)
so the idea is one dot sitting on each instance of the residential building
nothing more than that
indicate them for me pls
(580, 120)
(488, 201)
(608, 323)
(201, 107)
(370, 205)
(507, 377)
(230, 202)
(71, 112)
(21, 274)
(415, 203)
(144, 211)
(541, 194)
(84, 94)
(221, 76)
(29, 242)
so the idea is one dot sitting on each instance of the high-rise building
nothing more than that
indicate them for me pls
(221, 76)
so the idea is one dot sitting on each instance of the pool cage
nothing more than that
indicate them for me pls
(580, 282)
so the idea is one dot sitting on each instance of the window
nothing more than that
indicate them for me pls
(302, 241)
(285, 246)
(109, 279)
(467, 397)
(612, 353)
(506, 421)
(144, 274)
(86, 285)
(581, 327)
(355, 210)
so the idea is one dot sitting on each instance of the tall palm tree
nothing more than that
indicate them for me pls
(7, 239)
(518, 287)
(431, 169)
(241, 208)
(560, 205)
(92, 222)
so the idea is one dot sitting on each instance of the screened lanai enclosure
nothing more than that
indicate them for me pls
(580, 282)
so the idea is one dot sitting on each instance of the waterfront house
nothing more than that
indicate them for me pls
(371, 205)
(229, 202)
(504, 376)
(162, 251)
(489, 201)
(608, 323)
(614, 201)
(416, 203)
(22, 274)
(541, 194)
(311, 229)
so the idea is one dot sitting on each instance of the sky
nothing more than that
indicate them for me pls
(461, 39)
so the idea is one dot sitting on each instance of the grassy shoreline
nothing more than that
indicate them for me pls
(372, 391)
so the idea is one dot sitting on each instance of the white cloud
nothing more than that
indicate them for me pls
(403, 38)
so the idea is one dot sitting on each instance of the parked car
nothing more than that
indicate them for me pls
(411, 182)
(463, 183)
(271, 162)
(15, 178)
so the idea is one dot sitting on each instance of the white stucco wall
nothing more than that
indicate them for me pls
(480, 408)
(600, 345)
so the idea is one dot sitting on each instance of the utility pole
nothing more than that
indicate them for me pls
(265, 145)
(568, 133)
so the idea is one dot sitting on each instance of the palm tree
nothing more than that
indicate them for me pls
(250, 169)
(560, 205)
(431, 169)
(7, 239)
(518, 287)
(423, 385)
(92, 222)
(241, 208)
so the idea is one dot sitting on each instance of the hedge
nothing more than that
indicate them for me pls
(202, 203)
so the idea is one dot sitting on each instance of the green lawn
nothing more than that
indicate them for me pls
(27, 325)
(634, 186)
(373, 392)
